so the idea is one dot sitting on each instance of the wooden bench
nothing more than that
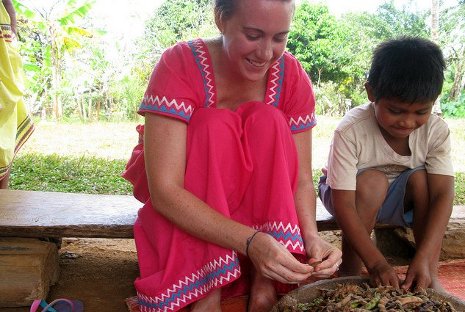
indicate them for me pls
(55, 214)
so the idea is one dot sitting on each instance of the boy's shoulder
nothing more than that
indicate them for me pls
(360, 116)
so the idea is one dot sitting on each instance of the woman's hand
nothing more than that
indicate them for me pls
(320, 250)
(274, 261)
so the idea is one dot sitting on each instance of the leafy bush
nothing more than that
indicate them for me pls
(454, 108)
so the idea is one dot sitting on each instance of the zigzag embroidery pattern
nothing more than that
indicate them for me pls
(201, 58)
(5, 32)
(302, 122)
(288, 235)
(214, 274)
(276, 82)
(162, 105)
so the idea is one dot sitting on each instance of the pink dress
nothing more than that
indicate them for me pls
(242, 163)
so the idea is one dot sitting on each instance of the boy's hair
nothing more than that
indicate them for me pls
(408, 69)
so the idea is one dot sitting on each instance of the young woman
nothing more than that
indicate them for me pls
(15, 124)
(224, 169)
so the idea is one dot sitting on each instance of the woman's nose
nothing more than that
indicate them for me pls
(265, 50)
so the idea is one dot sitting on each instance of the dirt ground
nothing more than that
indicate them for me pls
(100, 272)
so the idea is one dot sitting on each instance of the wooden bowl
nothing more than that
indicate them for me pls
(307, 293)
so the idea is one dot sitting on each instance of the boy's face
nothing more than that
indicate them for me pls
(399, 119)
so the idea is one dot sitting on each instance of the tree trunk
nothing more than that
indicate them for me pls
(459, 76)
(435, 20)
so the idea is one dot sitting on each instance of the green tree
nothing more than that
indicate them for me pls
(317, 41)
(452, 38)
(391, 22)
(177, 20)
(54, 32)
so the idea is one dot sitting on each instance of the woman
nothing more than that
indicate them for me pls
(228, 197)
(15, 124)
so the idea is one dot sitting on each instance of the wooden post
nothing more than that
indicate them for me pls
(28, 267)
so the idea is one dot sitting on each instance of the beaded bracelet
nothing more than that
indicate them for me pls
(249, 240)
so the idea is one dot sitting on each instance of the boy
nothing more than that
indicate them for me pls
(390, 162)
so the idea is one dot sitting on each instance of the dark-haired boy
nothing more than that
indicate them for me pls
(390, 162)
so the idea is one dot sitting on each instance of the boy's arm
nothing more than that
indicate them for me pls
(441, 197)
(11, 12)
(441, 193)
(356, 234)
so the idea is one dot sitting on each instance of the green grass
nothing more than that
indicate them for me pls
(37, 172)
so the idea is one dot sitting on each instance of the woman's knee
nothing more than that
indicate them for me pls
(260, 117)
(210, 123)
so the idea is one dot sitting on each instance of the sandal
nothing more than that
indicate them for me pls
(58, 305)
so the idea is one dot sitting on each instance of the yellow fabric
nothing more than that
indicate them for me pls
(15, 124)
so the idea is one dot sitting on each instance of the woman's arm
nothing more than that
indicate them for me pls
(12, 13)
(305, 201)
(165, 156)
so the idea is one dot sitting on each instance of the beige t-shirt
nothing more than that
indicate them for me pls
(358, 144)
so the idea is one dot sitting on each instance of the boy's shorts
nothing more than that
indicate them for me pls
(392, 211)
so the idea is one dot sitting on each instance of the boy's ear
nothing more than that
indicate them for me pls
(370, 93)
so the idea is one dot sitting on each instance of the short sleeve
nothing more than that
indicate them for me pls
(298, 102)
(175, 88)
(438, 158)
(342, 163)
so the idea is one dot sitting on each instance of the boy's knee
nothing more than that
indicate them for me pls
(372, 185)
(418, 181)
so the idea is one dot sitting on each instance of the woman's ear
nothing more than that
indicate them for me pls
(370, 93)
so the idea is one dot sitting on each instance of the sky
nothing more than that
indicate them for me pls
(129, 15)
(338, 7)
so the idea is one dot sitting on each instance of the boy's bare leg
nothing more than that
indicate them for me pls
(351, 263)
(416, 196)
(5, 180)
(212, 303)
(262, 294)
(372, 186)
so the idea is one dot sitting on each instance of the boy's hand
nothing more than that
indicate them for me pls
(418, 275)
(383, 274)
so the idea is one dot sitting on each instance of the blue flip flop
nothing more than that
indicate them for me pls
(57, 305)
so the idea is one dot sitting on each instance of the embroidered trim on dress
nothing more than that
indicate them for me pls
(214, 274)
(163, 105)
(288, 235)
(302, 122)
(276, 82)
(201, 59)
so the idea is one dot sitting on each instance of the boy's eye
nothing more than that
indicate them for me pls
(395, 111)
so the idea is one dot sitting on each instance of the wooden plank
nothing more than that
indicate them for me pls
(28, 267)
(54, 214)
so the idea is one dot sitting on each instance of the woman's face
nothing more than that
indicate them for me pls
(255, 36)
